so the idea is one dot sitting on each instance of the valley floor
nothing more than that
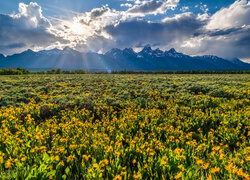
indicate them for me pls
(125, 126)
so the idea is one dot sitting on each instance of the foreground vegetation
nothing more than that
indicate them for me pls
(124, 127)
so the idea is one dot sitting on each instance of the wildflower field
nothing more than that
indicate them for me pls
(125, 127)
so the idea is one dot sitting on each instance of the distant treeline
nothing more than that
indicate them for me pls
(185, 72)
(21, 71)
(59, 71)
(18, 71)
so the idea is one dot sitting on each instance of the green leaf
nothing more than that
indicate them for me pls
(67, 170)
(64, 176)
(53, 173)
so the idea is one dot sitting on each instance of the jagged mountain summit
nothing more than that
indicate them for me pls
(116, 59)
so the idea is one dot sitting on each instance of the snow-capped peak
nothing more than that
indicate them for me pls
(129, 51)
(172, 50)
(158, 53)
(173, 53)
(54, 51)
(113, 52)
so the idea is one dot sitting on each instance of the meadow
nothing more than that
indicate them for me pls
(92, 126)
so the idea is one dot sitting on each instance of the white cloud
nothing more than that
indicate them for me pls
(184, 8)
(227, 33)
(26, 29)
(204, 8)
(126, 5)
(135, 1)
(177, 17)
(153, 7)
(236, 15)
(30, 16)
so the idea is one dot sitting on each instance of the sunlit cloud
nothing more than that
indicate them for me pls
(236, 15)
(153, 7)
(26, 29)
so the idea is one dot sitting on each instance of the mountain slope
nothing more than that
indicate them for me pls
(116, 59)
(1, 58)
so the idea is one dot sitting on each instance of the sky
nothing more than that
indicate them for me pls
(197, 27)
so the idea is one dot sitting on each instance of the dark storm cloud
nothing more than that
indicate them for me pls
(97, 12)
(136, 32)
(244, 40)
(24, 30)
(14, 36)
(215, 33)
(228, 43)
(94, 14)
(224, 32)
(242, 43)
(13, 46)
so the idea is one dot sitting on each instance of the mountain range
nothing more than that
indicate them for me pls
(116, 59)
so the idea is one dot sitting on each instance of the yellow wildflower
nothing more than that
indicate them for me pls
(106, 162)
(205, 166)
(215, 169)
(1, 159)
(118, 177)
(137, 176)
(134, 161)
(8, 164)
(57, 158)
(95, 165)
(23, 159)
(209, 177)
(179, 175)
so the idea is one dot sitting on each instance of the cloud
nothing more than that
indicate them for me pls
(170, 30)
(228, 43)
(153, 7)
(97, 12)
(236, 15)
(96, 43)
(204, 8)
(26, 29)
(84, 30)
(96, 22)
(226, 34)
(29, 17)
(99, 17)
(126, 5)
(184, 8)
